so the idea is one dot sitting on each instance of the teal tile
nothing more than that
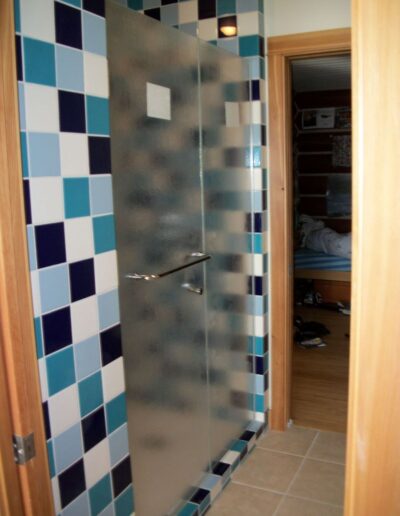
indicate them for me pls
(50, 457)
(17, 16)
(135, 4)
(116, 412)
(238, 445)
(189, 509)
(124, 504)
(259, 341)
(226, 7)
(40, 63)
(76, 3)
(76, 197)
(100, 495)
(104, 234)
(60, 370)
(90, 393)
(38, 337)
(249, 46)
(260, 403)
(97, 115)
(24, 155)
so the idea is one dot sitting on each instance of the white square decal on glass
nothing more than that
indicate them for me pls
(158, 101)
(232, 116)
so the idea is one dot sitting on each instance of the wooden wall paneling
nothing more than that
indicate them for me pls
(18, 350)
(373, 457)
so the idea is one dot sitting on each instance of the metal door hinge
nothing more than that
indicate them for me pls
(24, 448)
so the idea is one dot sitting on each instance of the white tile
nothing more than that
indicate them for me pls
(84, 319)
(64, 410)
(97, 463)
(258, 265)
(188, 11)
(74, 154)
(37, 19)
(113, 379)
(106, 272)
(247, 23)
(232, 114)
(47, 201)
(79, 238)
(96, 75)
(230, 457)
(256, 112)
(41, 107)
(56, 495)
(208, 29)
(43, 379)
(35, 287)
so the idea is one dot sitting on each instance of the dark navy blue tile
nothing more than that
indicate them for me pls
(57, 331)
(153, 13)
(111, 346)
(247, 435)
(18, 51)
(95, 6)
(259, 363)
(226, 21)
(68, 25)
(264, 200)
(99, 155)
(258, 223)
(72, 112)
(266, 381)
(258, 285)
(46, 418)
(220, 468)
(93, 429)
(266, 343)
(262, 46)
(121, 476)
(250, 363)
(167, 2)
(50, 244)
(199, 496)
(263, 135)
(27, 202)
(207, 9)
(255, 90)
(82, 279)
(72, 483)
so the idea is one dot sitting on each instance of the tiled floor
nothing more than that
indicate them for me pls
(299, 472)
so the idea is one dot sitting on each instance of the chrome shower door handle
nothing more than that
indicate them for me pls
(201, 257)
(191, 288)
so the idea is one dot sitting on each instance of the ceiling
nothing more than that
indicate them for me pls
(322, 73)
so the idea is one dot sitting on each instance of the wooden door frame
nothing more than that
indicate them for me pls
(24, 489)
(281, 50)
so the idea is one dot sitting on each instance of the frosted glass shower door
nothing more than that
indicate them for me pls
(157, 193)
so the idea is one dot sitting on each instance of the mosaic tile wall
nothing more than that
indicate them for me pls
(63, 92)
(205, 18)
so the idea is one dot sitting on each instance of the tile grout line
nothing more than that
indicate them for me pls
(295, 475)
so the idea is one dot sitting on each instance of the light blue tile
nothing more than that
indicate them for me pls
(104, 234)
(116, 412)
(254, 426)
(44, 154)
(246, 6)
(108, 511)
(60, 370)
(230, 45)
(76, 197)
(79, 507)
(210, 481)
(38, 336)
(100, 495)
(68, 447)
(94, 33)
(24, 155)
(119, 445)
(69, 68)
(30, 233)
(90, 393)
(21, 105)
(54, 287)
(50, 457)
(169, 14)
(189, 28)
(124, 505)
(39, 61)
(101, 201)
(97, 112)
(108, 309)
(254, 67)
(87, 357)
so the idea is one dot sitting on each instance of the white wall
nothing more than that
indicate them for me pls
(292, 16)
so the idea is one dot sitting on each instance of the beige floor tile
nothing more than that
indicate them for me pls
(268, 470)
(298, 507)
(329, 446)
(245, 501)
(295, 440)
(321, 481)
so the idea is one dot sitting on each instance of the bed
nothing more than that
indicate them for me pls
(320, 266)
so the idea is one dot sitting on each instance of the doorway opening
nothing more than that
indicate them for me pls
(321, 211)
